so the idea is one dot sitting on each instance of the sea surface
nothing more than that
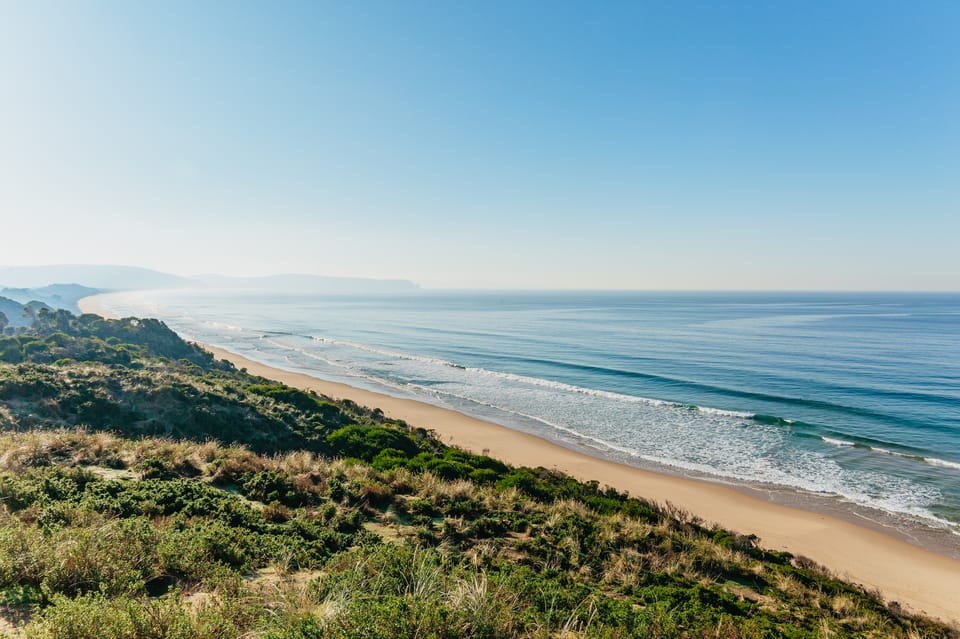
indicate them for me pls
(849, 398)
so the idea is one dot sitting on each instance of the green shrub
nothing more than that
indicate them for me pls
(366, 442)
(270, 486)
(519, 551)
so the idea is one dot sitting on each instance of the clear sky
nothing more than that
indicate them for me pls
(640, 145)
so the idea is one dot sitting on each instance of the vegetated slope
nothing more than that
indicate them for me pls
(147, 490)
(63, 296)
(16, 314)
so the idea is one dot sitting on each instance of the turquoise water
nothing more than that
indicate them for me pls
(852, 397)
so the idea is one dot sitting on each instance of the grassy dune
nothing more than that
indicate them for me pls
(149, 491)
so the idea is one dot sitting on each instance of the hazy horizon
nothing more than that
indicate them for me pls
(628, 146)
(209, 280)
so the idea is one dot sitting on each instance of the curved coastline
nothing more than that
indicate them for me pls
(922, 580)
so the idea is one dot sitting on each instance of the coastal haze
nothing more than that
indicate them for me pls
(731, 146)
(703, 253)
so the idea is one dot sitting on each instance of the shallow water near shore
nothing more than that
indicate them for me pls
(832, 400)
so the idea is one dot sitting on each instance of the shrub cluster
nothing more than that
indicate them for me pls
(148, 491)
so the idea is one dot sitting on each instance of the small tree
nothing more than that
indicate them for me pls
(4, 322)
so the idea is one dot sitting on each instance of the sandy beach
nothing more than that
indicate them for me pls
(921, 580)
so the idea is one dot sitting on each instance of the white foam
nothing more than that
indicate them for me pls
(570, 388)
(933, 461)
(304, 352)
(702, 440)
(671, 434)
(223, 326)
(523, 379)
(725, 413)
(570, 431)
(893, 453)
(838, 442)
(386, 352)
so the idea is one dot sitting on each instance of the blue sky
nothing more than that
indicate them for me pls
(642, 145)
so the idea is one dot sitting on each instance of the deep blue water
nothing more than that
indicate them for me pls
(849, 395)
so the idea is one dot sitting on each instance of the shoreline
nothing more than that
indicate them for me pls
(922, 580)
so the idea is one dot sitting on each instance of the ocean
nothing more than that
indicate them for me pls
(849, 400)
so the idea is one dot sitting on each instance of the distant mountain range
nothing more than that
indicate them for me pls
(54, 295)
(19, 306)
(103, 277)
(24, 290)
(37, 282)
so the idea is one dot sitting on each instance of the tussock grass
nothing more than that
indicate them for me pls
(78, 561)
(126, 511)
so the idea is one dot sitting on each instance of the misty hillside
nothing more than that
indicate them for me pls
(63, 296)
(107, 277)
(35, 282)
(17, 315)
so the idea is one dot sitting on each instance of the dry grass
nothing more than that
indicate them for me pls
(624, 568)
(19, 450)
(562, 509)
(234, 462)
(207, 451)
(843, 605)
(790, 586)
(509, 500)
(375, 492)
(301, 462)
(619, 551)
(401, 480)
(458, 489)
(428, 486)
(626, 530)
